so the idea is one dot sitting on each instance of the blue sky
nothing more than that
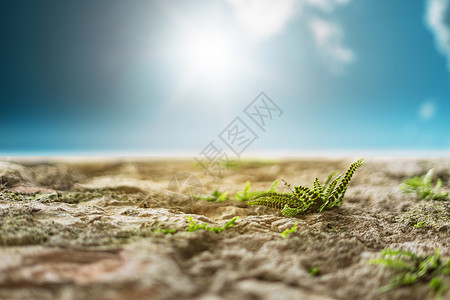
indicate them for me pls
(169, 76)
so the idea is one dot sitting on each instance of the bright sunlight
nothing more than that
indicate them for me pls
(211, 58)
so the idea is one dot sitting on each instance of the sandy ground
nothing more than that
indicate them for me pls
(74, 229)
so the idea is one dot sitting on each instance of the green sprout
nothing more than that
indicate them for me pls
(422, 187)
(288, 231)
(165, 231)
(246, 195)
(412, 268)
(193, 226)
(216, 196)
(420, 224)
(313, 271)
(304, 200)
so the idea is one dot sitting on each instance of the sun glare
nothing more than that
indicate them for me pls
(209, 53)
(210, 57)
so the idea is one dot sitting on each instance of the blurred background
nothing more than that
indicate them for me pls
(168, 77)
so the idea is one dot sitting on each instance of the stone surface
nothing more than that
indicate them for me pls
(87, 230)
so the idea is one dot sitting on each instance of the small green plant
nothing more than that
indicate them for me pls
(314, 271)
(193, 226)
(420, 224)
(412, 268)
(216, 196)
(165, 231)
(246, 195)
(437, 286)
(422, 187)
(304, 200)
(288, 231)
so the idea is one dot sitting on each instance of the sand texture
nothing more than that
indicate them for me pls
(74, 229)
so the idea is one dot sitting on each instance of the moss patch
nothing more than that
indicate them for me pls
(431, 215)
(19, 227)
(71, 197)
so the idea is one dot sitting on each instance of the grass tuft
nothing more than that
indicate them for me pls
(412, 268)
(423, 188)
(216, 196)
(247, 195)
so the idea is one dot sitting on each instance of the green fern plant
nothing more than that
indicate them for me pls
(412, 268)
(193, 226)
(422, 187)
(304, 200)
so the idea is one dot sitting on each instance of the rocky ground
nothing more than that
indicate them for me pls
(94, 229)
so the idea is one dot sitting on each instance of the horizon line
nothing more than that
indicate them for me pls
(247, 154)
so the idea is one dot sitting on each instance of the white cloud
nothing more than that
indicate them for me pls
(438, 19)
(263, 18)
(329, 40)
(427, 110)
